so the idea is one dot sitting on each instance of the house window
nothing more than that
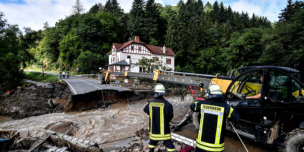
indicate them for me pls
(129, 57)
(139, 49)
(155, 58)
(132, 48)
(168, 61)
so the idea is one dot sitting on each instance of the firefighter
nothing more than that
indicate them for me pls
(212, 115)
(161, 113)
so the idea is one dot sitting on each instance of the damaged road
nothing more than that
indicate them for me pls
(33, 100)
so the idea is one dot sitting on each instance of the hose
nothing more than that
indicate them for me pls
(238, 136)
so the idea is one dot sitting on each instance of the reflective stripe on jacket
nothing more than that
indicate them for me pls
(213, 114)
(161, 113)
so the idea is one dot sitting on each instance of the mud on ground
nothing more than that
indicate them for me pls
(103, 99)
(35, 100)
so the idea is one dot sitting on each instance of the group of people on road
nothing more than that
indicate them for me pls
(62, 74)
(212, 112)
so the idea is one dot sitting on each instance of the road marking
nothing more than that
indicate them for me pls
(70, 86)
(89, 83)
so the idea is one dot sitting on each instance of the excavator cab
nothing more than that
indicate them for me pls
(263, 96)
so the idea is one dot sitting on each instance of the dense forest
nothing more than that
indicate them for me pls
(206, 38)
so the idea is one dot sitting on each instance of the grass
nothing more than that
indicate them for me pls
(39, 77)
(39, 70)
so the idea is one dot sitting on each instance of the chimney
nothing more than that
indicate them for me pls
(164, 49)
(136, 39)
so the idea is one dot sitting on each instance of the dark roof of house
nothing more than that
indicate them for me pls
(159, 50)
(123, 62)
(151, 48)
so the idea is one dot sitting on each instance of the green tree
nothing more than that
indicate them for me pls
(88, 61)
(28, 40)
(153, 42)
(136, 22)
(112, 6)
(209, 60)
(287, 12)
(222, 14)
(10, 53)
(96, 8)
(152, 20)
(208, 7)
(215, 12)
(244, 49)
(200, 7)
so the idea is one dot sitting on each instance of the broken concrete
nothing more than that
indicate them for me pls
(40, 140)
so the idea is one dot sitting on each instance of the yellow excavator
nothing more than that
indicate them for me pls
(276, 117)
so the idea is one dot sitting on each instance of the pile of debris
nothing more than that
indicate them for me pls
(45, 141)
(141, 140)
(35, 100)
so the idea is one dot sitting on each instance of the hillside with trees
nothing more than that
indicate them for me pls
(206, 38)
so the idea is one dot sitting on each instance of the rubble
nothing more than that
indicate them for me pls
(140, 143)
(33, 100)
(45, 141)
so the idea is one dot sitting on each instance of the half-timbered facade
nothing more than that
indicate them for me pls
(122, 57)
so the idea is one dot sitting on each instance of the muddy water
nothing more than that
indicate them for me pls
(119, 121)
(5, 119)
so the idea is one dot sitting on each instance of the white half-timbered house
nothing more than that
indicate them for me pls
(122, 57)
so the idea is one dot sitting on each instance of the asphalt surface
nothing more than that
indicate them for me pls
(83, 85)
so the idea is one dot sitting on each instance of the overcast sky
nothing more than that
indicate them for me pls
(34, 13)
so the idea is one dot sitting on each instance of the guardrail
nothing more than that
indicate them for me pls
(84, 75)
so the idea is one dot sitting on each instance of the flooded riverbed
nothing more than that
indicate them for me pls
(118, 121)
(4, 119)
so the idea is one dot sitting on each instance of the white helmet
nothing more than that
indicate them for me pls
(160, 88)
(215, 89)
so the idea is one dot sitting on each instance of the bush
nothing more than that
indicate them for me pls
(37, 65)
